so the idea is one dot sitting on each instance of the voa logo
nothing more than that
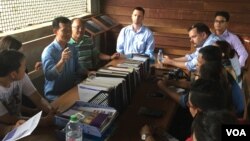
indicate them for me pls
(236, 132)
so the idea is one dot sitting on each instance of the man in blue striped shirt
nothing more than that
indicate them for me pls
(88, 55)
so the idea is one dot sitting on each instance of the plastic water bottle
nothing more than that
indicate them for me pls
(160, 56)
(73, 129)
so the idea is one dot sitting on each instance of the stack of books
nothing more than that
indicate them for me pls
(145, 63)
(108, 91)
(115, 84)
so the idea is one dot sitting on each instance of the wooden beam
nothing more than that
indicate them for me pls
(34, 48)
(35, 74)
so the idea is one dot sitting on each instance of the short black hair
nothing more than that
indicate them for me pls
(140, 9)
(10, 60)
(211, 53)
(200, 27)
(223, 14)
(207, 126)
(207, 95)
(211, 70)
(226, 49)
(58, 20)
(9, 42)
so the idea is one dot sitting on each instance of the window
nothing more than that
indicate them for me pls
(18, 14)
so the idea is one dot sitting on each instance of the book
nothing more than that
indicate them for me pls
(93, 117)
(145, 63)
(122, 69)
(122, 91)
(102, 98)
(115, 86)
(99, 120)
(86, 93)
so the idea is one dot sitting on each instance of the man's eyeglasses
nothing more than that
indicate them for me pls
(220, 21)
(78, 27)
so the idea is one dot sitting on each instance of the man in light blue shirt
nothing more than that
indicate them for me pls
(136, 38)
(200, 36)
(60, 61)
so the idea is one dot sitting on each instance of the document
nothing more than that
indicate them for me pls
(25, 129)
(87, 93)
(140, 58)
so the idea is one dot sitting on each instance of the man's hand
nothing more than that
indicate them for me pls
(167, 60)
(146, 130)
(165, 56)
(91, 74)
(115, 56)
(66, 54)
(38, 65)
(48, 119)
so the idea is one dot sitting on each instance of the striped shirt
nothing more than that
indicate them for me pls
(87, 52)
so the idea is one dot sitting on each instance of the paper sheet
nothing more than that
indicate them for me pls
(25, 129)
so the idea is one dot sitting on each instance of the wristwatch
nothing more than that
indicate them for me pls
(144, 136)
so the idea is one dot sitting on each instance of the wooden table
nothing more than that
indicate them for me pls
(128, 123)
(49, 133)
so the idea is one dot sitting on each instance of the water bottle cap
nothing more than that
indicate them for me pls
(73, 118)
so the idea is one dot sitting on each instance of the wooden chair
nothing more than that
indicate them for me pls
(246, 77)
(38, 80)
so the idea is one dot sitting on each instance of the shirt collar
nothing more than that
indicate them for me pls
(209, 38)
(140, 30)
(57, 45)
(72, 41)
(225, 33)
(82, 40)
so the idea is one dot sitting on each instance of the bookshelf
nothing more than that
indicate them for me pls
(105, 23)
(93, 28)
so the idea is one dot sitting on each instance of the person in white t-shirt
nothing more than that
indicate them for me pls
(13, 83)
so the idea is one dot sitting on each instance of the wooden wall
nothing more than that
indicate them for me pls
(169, 19)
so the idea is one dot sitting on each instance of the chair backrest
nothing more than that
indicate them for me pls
(246, 42)
(246, 77)
(34, 48)
(38, 79)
